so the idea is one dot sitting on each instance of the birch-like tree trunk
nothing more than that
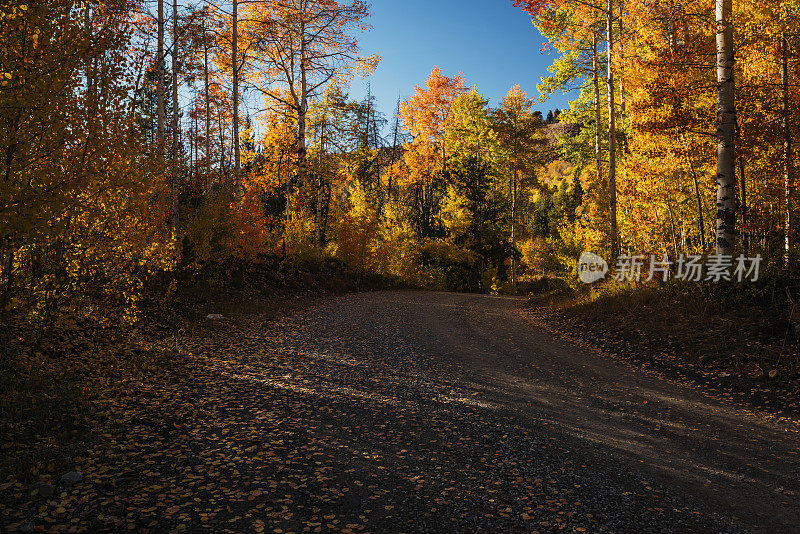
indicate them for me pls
(788, 182)
(622, 111)
(596, 83)
(222, 163)
(287, 210)
(726, 129)
(237, 188)
(318, 236)
(743, 206)
(208, 109)
(175, 138)
(612, 164)
(302, 111)
(90, 86)
(160, 81)
(194, 149)
(514, 228)
(302, 46)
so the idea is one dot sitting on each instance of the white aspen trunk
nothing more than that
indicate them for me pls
(683, 238)
(743, 207)
(788, 182)
(302, 151)
(222, 172)
(726, 129)
(513, 229)
(160, 81)
(612, 166)
(318, 219)
(192, 129)
(90, 86)
(624, 147)
(302, 110)
(237, 188)
(208, 110)
(194, 148)
(286, 200)
(288, 210)
(175, 138)
(596, 81)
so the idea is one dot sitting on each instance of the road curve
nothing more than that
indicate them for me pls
(486, 357)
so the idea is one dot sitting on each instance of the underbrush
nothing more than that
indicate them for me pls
(54, 374)
(745, 328)
(741, 337)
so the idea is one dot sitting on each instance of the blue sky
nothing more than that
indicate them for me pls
(491, 42)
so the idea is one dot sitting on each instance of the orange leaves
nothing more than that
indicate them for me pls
(564, 22)
(367, 65)
(252, 229)
(535, 7)
(426, 115)
(427, 111)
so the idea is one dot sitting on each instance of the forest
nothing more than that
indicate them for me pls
(237, 295)
(127, 154)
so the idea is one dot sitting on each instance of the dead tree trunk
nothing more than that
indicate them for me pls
(394, 144)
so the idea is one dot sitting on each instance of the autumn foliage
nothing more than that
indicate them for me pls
(665, 82)
(103, 188)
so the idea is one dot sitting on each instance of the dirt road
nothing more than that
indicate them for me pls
(415, 411)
